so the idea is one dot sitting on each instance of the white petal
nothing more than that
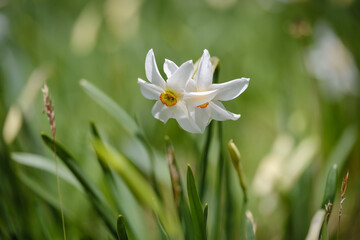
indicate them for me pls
(204, 75)
(219, 113)
(178, 80)
(202, 118)
(152, 71)
(194, 99)
(158, 111)
(191, 85)
(169, 67)
(150, 91)
(188, 125)
(231, 89)
(164, 113)
(180, 110)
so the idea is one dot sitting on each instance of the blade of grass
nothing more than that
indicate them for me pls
(196, 208)
(139, 186)
(114, 189)
(43, 227)
(328, 200)
(250, 235)
(127, 122)
(330, 189)
(121, 229)
(343, 147)
(35, 186)
(91, 190)
(44, 164)
(206, 210)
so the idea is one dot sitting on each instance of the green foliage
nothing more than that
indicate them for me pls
(121, 229)
(94, 194)
(285, 106)
(196, 208)
(330, 189)
(111, 106)
(250, 235)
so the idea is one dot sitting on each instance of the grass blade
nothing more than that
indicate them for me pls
(123, 118)
(330, 190)
(139, 186)
(206, 211)
(35, 186)
(110, 106)
(43, 225)
(44, 164)
(121, 229)
(196, 208)
(250, 235)
(91, 190)
(178, 191)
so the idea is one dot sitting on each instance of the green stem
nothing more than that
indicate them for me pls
(204, 162)
(218, 188)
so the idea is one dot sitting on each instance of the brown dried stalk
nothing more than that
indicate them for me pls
(49, 110)
(343, 190)
(174, 173)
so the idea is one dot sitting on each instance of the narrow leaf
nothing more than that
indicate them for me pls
(114, 187)
(121, 229)
(43, 225)
(330, 189)
(35, 186)
(315, 225)
(250, 235)
(92, 191)
(139, 186)
(110, 106)
(206, 210)
(47, 165)
(196, 208)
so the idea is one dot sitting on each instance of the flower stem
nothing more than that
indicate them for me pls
(204, 161)
(218, 186)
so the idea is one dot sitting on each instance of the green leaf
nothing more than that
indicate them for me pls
(95, 196)
(124, 200)
(37, 188)
(121, 229)
(343, 147)
(47, 165)
(330, 188)
(111, 107)
(206, 210)
(139, 186)
(42, 221)
(183, 207)
(196, 208)
(250, 235)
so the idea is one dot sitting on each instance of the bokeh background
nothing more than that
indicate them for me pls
(300, 112)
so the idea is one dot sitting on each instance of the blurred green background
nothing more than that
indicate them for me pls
(299, 114)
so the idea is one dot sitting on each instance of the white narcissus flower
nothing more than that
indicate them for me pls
(202, 114)
(172, 99)
(214, 109)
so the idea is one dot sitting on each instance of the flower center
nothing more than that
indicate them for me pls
(204, 105)
(168, 98)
